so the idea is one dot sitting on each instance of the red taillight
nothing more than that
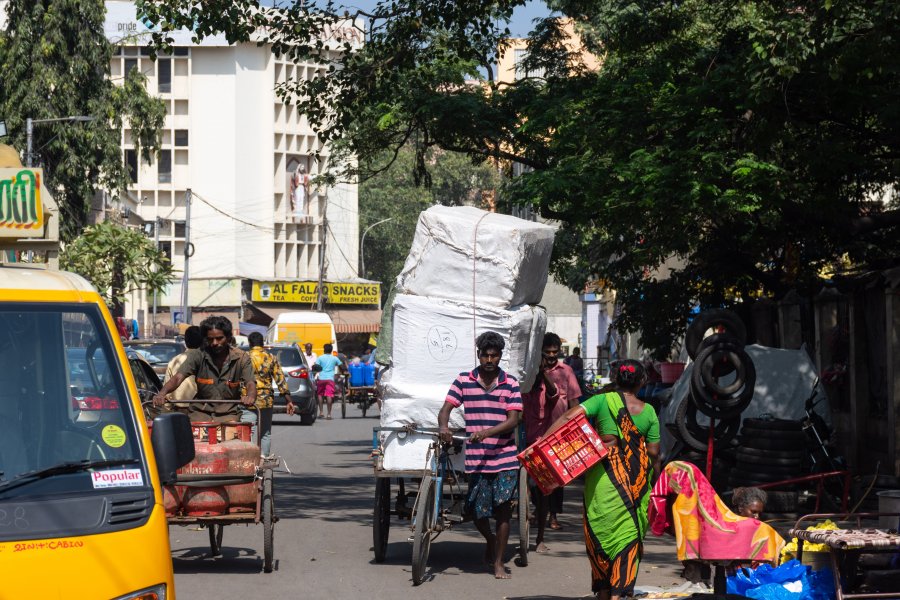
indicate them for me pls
(94, 403)
(299, 374)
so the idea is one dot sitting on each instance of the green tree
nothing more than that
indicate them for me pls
(55, 63)
(393, 194)
(117, 261)
(724, 150)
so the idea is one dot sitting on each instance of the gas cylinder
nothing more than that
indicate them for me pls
(243, 458)
(171, 500)
(210, 458)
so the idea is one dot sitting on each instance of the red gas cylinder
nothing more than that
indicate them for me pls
(243, 458)
(210, 458)
(171, 500)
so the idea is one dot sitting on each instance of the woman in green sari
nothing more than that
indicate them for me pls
(617, 490)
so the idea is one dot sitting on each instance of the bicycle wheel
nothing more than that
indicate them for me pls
(423, 524)
(268, 522)
(382, 521)
(524, 525)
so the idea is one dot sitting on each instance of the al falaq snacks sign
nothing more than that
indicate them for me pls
(307, 292)
(21, 211)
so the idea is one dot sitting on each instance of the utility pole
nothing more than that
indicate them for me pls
(156, 239)
(188, 252)
(321, 292)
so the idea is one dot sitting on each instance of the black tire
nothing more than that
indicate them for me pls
(725, 430)
(720, 412)
(712, 368)
(760, 443)
(767, 473)
(524, 525)
(781, 502)
(268, 522)
(215, 539)
(704, 386)
(423, 517)
(756, 453)
(773, 434)
(381, 524)
(718, 318)
(774, 424)
(769, 463)
(309, 418)
(684, 432)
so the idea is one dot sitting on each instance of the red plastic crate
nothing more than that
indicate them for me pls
(563, 455)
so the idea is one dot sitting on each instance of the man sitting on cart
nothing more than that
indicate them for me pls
(493, 406)
(220, 370)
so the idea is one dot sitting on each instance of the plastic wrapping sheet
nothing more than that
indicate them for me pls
(434, 339)
(471, 255)
(784, 381)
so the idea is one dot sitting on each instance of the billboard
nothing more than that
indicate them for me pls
(307, 292)
(21, 209)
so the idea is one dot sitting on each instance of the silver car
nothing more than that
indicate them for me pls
(299, 379)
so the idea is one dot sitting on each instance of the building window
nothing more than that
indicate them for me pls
(130, 64)
(164, 76)
(179, 229)
(181, 137)
(181, 51)
(131, 163)
(166, 248)
(165, 166)
(519, 55)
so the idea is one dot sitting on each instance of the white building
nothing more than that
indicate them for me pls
(234, 144)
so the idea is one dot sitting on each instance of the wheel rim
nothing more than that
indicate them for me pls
(268, 519)
(422, 538)
(382, 521)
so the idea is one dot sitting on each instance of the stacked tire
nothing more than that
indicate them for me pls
(717, 357)
(770, 450)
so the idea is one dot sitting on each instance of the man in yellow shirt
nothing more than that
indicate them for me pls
(268, 371)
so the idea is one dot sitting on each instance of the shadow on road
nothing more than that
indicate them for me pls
(233, 560)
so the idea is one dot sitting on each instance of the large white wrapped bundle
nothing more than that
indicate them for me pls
(434, 339)
(413, 405)
(420, 411)
(504, 263)
(409, 452)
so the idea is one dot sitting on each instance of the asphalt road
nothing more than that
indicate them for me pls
(323, 540)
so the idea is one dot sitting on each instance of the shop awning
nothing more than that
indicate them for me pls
(356, 321)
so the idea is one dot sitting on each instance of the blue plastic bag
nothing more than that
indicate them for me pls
(768, 583)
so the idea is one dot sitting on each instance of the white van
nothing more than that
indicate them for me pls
(301, 327)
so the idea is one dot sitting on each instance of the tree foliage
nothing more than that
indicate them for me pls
(393, 194)
(55, 63)
(724, 150)
(117, 261)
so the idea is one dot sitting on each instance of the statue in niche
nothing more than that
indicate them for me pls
(300, 192)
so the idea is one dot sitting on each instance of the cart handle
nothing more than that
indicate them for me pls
(406, 429)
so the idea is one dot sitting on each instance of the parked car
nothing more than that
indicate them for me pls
(300, 384)
(156, 352)
(89, 383)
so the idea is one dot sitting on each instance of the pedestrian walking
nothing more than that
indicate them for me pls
(493, 407)
(617, 490)
(328, 366)
(268, 373)
(555, 391)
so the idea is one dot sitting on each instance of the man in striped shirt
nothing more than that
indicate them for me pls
(492, 406)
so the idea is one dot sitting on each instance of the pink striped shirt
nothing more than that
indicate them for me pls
(486, 408)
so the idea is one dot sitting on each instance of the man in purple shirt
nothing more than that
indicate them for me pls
(493, 406)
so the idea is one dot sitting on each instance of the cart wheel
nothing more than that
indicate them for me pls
(382, 523)
(215, 538)
(524, 525)
(423, 525)
(268, 521)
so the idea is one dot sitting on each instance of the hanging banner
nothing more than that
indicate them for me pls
(307, 292)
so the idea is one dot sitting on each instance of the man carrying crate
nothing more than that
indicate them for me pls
(555, 391)
(493, 406)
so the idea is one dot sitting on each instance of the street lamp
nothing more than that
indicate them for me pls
(362, 246)
(29, 127)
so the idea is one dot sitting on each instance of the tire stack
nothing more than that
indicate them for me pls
(715, 357)
(770, 450)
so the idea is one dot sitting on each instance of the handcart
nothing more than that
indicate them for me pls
(227, 483)
(364, 396)
(431, 498)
